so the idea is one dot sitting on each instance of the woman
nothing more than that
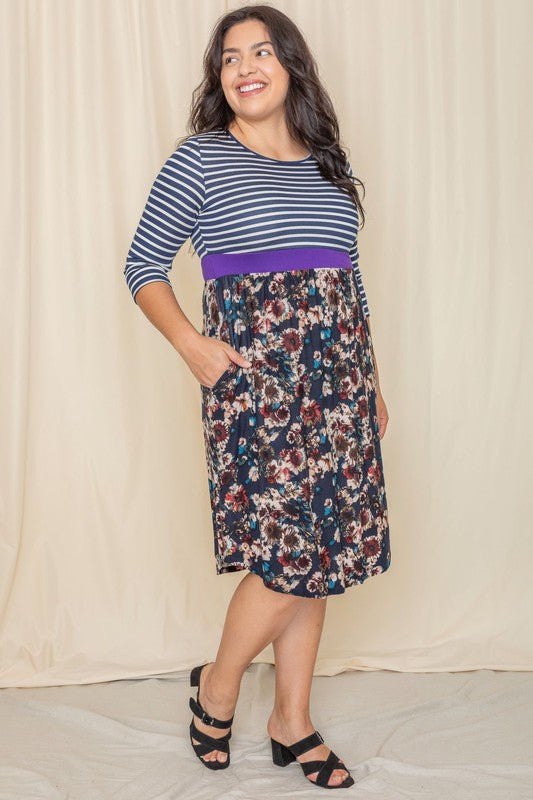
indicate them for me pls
(291, 407)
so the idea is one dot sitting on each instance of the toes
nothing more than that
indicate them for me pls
(215, 755)
(338, 775)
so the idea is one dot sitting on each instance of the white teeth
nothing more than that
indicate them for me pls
(251, 86)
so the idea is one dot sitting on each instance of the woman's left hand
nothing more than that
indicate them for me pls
(383, 416)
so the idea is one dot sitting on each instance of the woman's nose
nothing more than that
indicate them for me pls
(246, 67)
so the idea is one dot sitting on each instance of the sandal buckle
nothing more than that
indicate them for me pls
(320, 736)
(207, 719)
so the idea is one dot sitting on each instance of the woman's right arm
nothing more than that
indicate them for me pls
(167, 221)
(206, 357)
(158, 303)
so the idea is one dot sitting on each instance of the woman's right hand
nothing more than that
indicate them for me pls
(208, 358)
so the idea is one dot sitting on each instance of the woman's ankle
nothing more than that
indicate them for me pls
(222, 692)
(290, 718)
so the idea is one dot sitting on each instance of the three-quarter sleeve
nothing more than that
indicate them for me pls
(168, 219)
(354, 257)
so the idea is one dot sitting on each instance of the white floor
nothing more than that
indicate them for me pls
(445, 736)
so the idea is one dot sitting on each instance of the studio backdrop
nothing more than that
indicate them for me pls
(107, 563)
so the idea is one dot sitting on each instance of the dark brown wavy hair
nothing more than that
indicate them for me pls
(310, 116)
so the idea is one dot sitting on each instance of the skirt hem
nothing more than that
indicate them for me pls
(237, 566)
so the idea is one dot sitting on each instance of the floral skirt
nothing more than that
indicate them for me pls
(294, 461)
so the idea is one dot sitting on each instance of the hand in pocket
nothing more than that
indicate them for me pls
(211, 360)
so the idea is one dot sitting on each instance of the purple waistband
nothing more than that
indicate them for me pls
(215, 265)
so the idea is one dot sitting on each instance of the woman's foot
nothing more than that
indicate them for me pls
(288, 731)
(216, 705)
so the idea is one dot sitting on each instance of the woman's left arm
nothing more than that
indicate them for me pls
(372, 351)
(381, 408)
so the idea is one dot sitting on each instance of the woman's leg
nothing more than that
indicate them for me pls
(295, 650)
(256, 615)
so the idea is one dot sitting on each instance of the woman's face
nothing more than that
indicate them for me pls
(248, 57)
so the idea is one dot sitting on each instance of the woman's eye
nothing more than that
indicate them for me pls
(228, 58)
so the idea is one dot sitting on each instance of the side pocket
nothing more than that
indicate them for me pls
(224, 333)
(225, 377)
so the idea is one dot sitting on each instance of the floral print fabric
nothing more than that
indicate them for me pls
(294, 461)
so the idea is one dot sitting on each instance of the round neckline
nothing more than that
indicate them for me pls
(268, 158)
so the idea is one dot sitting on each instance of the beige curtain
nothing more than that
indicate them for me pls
(107, 566)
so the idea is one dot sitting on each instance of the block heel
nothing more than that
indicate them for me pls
(195, 675)
(281, 755)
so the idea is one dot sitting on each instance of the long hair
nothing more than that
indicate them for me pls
(310, 116)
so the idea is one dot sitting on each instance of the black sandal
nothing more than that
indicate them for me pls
(207, 743)
(282, 755)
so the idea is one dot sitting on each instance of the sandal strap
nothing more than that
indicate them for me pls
(208, 743)
(311, 766)
(207, 718)
(307, 743)
(324, 774)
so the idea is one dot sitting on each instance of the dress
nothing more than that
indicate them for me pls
(293, 454)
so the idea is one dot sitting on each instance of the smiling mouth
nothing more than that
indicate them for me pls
(252, 88)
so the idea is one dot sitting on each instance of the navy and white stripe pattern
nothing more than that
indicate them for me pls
(230, 199)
